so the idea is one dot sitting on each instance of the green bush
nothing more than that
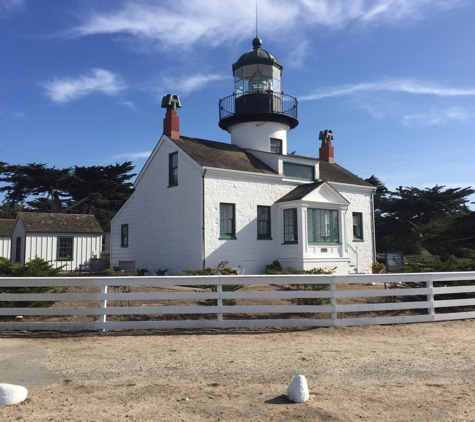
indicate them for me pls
(275, 268)
(37, 267)
(221, 269)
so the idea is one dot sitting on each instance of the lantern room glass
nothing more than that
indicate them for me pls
(256, 78)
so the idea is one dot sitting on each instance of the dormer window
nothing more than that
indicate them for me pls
(299, 171)
(276, 146)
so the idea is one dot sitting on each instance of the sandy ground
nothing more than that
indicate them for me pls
(416, 372)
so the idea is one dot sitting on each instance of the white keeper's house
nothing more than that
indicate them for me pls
(198, 202)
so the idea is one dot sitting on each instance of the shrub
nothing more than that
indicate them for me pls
(37, 267)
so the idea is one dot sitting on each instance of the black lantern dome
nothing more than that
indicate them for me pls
(258, 92)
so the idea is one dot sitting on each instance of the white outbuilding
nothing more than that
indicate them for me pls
(5, 239)
(67, 240)
(249, 202)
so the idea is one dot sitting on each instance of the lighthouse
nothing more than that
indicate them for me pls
(258, 114)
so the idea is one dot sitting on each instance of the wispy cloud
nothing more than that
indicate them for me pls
(63, 90)
(128, 104)
(436, 117)
(188, 83)
(403, 86)
(10, 6)
(133, 155)
(184, 23)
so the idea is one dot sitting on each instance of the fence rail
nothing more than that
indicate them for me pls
(102, 303)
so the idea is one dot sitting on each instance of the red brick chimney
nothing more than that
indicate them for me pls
(326, 151)
(171, 122)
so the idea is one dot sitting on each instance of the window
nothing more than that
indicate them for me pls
(322, 226)
(263, 222)
(299, 171)
(276, 146)
(227, 223)
(173, 169)
(124, 236)
(290, 226)
(357, 226)
(18, 249)
(65, 249)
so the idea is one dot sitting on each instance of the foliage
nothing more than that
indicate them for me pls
(276, 268)
(97, 190)
(221, 269)
(37, 267)
(114, 272)
(377, 264)
(437, 219)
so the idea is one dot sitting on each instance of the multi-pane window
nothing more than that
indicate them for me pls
(65, 249)
(173, 169)
(263, 222)
(276, 146)
(227, 223)
(290, 226)
(322, 225)
(124, 236)
(18, 249)
(299, 171)
(357, 226)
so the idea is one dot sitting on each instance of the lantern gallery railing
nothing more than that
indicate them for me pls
(256, 103)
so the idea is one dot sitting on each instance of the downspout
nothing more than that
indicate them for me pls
(203, 240)
(373, 227)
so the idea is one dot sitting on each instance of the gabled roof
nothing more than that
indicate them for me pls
(221, 155)
(228, 156)
(6, 226)
(59, 223)
(315, 192)
(335, 173)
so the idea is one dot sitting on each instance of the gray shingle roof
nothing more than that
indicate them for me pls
(59, 223)
(6, 226)
(228, 156)
(221, 155)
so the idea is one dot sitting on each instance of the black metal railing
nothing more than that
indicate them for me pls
(261, 102)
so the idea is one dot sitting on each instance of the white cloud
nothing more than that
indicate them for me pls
(436, 117)
(10, 6)
(185, 23)
(128, 104)
(132, 156)
(68, 89)
(401, 86)
(188, 84)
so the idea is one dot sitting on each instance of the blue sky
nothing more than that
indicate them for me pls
(81, 81)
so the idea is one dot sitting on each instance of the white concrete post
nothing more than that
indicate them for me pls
(219, 289)
(333, 301)
(430, 297)
(102, 317)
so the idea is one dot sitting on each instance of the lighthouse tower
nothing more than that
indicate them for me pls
(258, 114)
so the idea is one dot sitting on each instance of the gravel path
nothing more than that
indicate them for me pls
(418, 372)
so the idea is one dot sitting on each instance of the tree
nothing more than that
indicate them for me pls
(97, 190)
(437, 219)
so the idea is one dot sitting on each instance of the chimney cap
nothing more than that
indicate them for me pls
(325, 135)
(171, 102)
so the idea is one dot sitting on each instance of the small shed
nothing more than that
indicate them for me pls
(5, 239)
(67, 240)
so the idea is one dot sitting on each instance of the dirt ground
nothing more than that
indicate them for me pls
(414, 372)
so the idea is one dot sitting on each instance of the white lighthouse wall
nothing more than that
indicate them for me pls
(257, 135)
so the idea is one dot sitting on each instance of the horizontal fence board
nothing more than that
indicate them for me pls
(454, 289)
(288, 294)
(454, 316)
(372, 307)
(381, 292)
(404, 319)
(279, 309)
(454, 302)
(238, 323)
(51, 326)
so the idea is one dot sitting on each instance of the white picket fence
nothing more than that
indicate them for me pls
(145, 313)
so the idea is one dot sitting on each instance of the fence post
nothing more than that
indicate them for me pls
(430, 298)
(333, 301)
(219, 289)
(102, 317)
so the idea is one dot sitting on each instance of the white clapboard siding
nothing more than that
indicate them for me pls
(5, 246)
(331, 311)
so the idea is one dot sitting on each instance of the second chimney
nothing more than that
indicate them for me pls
(171, 122)
(326, 151)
